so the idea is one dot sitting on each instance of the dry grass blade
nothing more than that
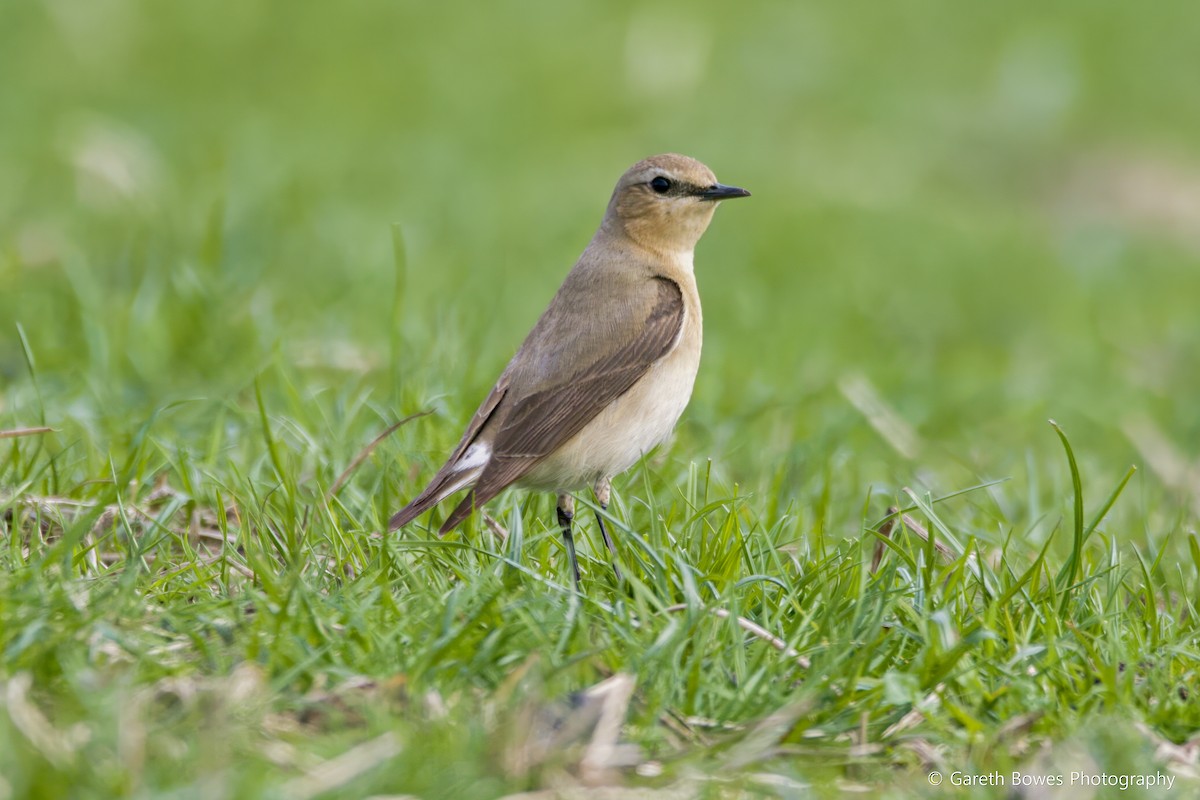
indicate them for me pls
(885, 530)
(604, 754)
(57, 747)
(680, 728)
(1164, 458)
(886, 421)
(917, 715)
(337, 772)
(929, 754)
(17, 432)
(495, 527)
(370, 448)
(763, 740)
(750, 627)
(201, 526)
(1166, 751)
(1019, 725)
(587, 732)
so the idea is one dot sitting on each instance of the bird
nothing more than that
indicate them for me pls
(608, 368)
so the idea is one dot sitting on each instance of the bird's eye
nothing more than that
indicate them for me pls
(660, 184)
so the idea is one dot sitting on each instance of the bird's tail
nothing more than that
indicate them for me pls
(463, 510)
(441, 487)
(456, 475)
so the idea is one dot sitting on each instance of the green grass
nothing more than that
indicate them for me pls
(240, 241)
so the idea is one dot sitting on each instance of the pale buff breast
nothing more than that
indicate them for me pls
(634, 423)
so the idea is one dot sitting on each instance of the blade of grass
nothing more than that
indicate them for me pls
(1070, 570)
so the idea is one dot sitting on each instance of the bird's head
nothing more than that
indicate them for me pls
(666, 202)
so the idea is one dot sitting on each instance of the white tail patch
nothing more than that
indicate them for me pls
(476, 456)
(467, 469)
(461, 481)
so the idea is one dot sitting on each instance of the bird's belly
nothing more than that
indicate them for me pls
(626, 429)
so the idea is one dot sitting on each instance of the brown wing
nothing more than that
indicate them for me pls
(539, 423)
(435, 492)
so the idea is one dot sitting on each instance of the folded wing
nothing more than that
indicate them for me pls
(532, 424)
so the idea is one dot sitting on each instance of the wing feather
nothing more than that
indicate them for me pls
(448, 479)
(538, 423)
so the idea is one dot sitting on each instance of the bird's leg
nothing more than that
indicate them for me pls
(566, 513)
(603, 492)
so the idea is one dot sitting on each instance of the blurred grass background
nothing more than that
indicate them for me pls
(978, 216)
(991, 212)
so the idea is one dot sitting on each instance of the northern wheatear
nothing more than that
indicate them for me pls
(605, 373)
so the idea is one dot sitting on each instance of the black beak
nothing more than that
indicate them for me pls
(719, 191)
